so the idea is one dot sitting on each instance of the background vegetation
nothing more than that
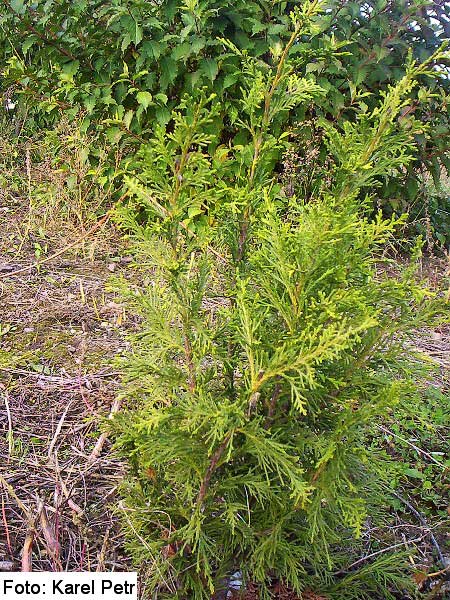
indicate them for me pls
(122, 66)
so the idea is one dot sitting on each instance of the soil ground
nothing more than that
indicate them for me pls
(60, 480)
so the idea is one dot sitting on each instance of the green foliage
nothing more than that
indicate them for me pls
(269, 342)
(418, 439)
(62, 181)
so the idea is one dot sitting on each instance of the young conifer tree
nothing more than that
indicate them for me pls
(269, 345)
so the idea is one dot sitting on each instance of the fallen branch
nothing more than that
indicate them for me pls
(377, 553)
(442, 559)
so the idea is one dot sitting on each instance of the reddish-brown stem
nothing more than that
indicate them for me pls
(273, 403)
(211, 468)
(190, 363)
(42, 37)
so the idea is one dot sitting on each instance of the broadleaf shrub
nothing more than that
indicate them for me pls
(121, 67)
(270, 343)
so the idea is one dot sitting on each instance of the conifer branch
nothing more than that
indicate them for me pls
(258, 139)
(211, 468)
(189, 361)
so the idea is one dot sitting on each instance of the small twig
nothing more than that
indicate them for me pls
(102, 555)
(377, 553)
(85, 400)
(57, 379)
(82, 557)
(58, 430)
(73, 505)
(10, 427)
(27, 550)
(170, 585)
(13, 495)
(441, 572)
(52, 544)
(40, 35)
(104, 436)
(416, 448)
(273, 403)
(5, 524)
(28, 545)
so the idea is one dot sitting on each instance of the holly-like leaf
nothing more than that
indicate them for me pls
(169, 70)
(210, 68)
(144, 99)
(18, 6)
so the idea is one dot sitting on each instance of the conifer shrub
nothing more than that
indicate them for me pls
(270, 344)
